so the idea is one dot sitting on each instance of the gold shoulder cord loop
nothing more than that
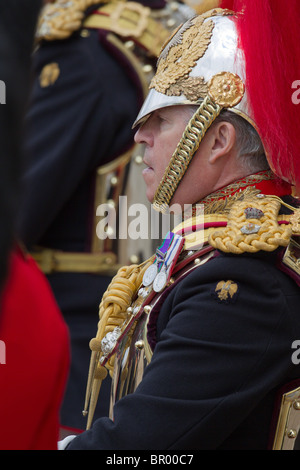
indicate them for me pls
(252, 226)
(112, 313)
(186, 148)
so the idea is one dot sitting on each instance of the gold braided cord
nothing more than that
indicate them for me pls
(186, 148)
(268, 237)
(113, 312)
(285, 204)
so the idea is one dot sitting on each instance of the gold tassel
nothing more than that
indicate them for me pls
(112, 313)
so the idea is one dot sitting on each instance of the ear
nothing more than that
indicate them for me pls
(222, 140)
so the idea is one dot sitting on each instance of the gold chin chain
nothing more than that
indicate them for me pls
(185, 150)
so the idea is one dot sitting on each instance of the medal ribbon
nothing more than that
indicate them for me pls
(176, 243)
(162, 251)
(165, 272)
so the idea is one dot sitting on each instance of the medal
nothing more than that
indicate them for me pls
(160, 271)
(160, 281)
(149, 275)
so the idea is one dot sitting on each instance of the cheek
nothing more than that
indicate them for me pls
(163, 150)
(165, 155)
(161, 167)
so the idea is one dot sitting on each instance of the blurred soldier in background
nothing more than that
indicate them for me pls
(34, 352)
(92, 67)
(15, 51)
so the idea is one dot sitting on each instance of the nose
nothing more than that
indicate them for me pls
(143, 135)
(137, 137)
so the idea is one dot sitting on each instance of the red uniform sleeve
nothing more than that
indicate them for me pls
(34, 360)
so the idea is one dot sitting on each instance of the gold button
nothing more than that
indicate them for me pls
(84, 33)
(147, 68)
(111, 203)
(147, 309)
(292, 434)
(134, 259)
(140, 344)
(129, 45)
(114, 181)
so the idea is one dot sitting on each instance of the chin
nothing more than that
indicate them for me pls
(150, 196)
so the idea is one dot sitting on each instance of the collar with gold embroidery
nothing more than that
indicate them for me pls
(265, 182)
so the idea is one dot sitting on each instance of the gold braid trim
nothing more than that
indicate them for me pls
(113, 312)
(250, 234)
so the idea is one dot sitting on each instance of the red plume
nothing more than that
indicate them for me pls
(229, 4)
(269, 32)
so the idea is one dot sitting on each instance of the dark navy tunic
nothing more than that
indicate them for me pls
(217, 363)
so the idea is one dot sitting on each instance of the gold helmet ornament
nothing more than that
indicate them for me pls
(205, 63)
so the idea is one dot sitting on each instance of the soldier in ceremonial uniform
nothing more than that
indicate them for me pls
(199, 339)
(91, 70)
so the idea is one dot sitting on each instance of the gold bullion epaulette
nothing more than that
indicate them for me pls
(254, 224)
(61, 19)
